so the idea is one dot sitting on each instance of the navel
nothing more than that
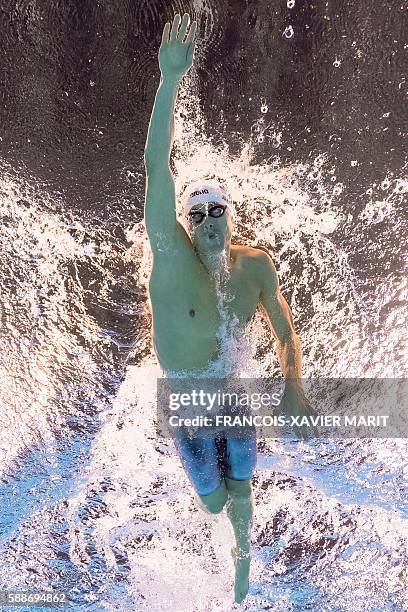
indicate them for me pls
(191, 312)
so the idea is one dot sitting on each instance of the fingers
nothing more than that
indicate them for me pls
(178, 34)
(303, 433)
(190, 37)
(174, 27)
(165, 36)
(183, 27)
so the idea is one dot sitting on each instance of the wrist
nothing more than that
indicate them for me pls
(171, 79)
(294, 385)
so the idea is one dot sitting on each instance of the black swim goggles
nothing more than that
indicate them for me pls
(198, 216)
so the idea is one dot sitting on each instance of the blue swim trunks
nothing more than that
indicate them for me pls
(207, 460)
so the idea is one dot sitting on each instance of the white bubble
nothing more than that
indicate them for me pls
(288, 32)
(264, 108)
(291, 4)
(401, 186)
(336, 63)
(353, 162)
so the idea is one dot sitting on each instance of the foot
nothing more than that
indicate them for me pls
(241, 561)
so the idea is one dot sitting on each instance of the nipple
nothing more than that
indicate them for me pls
(191, 312)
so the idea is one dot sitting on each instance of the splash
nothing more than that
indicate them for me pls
(103, 506)
(232, 346)
(36, 244)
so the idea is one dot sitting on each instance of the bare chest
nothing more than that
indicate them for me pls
(200, 301)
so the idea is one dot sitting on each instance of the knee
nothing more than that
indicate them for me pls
(239, 488)
(215, 502)
(214, 507)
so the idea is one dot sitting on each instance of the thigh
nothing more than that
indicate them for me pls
(241, 456)
(199, 459)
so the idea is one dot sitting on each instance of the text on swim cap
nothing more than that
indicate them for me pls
(198, 193)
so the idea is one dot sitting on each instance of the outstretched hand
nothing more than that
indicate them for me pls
(176, 56)
(297, 407)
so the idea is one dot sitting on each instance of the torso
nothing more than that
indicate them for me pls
(186, 309)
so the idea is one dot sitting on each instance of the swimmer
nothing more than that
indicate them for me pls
(184, 288)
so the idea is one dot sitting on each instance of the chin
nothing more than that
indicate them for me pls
(213, 246)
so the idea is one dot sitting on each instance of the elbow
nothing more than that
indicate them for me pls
(148, 157)
(150, 153)
(153, 159)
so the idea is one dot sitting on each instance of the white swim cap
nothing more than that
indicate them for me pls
(202, 192)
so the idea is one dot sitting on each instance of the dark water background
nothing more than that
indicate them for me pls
(91, 502)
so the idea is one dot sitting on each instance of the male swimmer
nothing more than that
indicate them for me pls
(189, 270)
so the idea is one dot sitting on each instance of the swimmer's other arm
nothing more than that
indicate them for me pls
(281, 322)
(288, 346)
(175, 59)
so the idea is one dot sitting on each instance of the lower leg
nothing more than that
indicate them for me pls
(240, 511)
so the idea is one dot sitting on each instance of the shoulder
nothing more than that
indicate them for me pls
(259, 263)
(254, 256)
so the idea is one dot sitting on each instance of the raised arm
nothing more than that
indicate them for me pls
(288, 346)
(175, 59)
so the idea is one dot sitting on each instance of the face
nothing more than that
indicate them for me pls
(212, 232)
